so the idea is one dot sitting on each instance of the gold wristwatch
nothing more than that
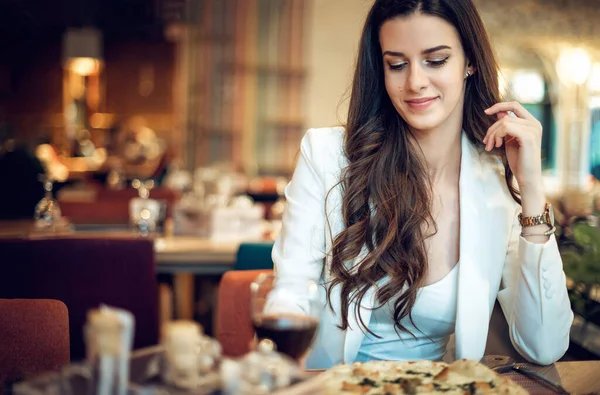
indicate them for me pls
(546, 218)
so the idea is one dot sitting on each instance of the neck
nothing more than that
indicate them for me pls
(442, 153)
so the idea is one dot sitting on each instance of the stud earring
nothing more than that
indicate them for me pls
(468, 74)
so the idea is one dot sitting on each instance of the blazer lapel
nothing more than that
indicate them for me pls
(472, 315)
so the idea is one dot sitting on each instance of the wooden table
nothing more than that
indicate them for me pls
(579, 377)
(185, 257)
(194, 255)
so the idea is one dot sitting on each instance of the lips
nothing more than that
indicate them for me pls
(421, 103)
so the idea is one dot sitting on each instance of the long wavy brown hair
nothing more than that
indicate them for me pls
(386, 204)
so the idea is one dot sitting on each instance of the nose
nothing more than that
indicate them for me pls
(417, 78)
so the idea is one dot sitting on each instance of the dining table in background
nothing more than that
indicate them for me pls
(185, 257)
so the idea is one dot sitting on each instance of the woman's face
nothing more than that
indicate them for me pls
(424, 67)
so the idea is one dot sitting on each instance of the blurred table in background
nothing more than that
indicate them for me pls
(185, 257)
(194, 255)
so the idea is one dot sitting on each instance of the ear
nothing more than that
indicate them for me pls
(470, 68)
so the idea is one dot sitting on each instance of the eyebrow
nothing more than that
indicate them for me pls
(424, 52)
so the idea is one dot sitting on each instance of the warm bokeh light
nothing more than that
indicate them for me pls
(594, 81)
(573, 66)
(528, 86)
(97, 120)
(84, 66)
(76, 85)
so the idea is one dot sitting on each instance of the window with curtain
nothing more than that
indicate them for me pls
(244, 84)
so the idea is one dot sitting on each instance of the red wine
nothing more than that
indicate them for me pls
(292, 334)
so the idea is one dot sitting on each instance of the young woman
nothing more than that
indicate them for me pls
(409, 215)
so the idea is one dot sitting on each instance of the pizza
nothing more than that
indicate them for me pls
(417, 377)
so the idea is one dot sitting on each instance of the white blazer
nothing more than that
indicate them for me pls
(495, 262)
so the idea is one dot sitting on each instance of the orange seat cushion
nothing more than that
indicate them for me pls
(34, 337)
(234, 324)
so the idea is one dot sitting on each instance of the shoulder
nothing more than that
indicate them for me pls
(331, 137)
(324, 147)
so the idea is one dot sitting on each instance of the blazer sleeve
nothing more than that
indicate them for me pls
(534, 299)
(299, 250)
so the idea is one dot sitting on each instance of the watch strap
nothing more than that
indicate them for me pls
(542, 219)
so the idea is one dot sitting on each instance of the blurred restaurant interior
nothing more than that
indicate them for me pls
(145, 145)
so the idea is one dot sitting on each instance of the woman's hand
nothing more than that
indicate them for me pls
(521, 135)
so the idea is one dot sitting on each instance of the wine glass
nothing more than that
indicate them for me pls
(144, 215)
(47, 212)
(144, 212)
(286, 312)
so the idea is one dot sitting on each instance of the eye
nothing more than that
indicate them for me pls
(397, 66)
(437, 62)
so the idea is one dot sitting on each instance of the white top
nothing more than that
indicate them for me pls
(434, 315)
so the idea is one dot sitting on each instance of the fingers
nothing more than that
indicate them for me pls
(513, 120)
(502, 114)
(513, 106)
(498, 141)
(508, 120)
(508, 129)
(497, 138)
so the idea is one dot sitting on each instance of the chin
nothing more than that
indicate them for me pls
(422, 123)
(426, 120)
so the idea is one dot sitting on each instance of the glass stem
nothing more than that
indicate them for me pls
(48, 188)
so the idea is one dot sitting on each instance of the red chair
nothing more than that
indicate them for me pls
(234, 324)
(34, 337)
(84, 273)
